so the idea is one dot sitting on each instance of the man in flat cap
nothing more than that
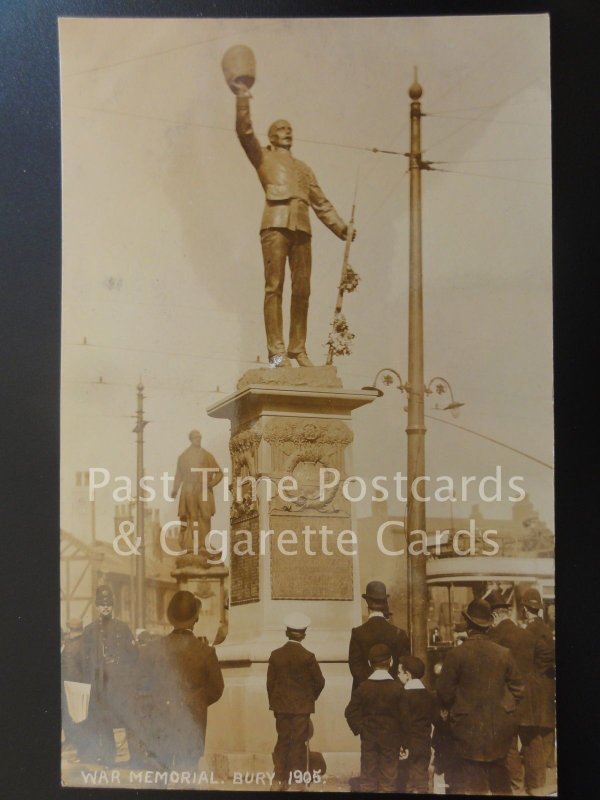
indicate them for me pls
(290, 189)
(197, 475)
(108, 656)
(378, 712)
(481, 687)
(294, 682)
(179, 677)
(376, 630)
(537, 729)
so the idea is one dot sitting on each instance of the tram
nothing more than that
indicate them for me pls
(454, 582)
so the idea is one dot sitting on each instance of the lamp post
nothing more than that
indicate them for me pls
(140, 573)
(416, 389)
(415, 511)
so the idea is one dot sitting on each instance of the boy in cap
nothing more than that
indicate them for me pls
(378, 713)
(413, 776)
(294, 682)
(376, 630)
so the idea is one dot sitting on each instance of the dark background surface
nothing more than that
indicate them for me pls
(30, 342)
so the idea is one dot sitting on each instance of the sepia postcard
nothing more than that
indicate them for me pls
(307, 466)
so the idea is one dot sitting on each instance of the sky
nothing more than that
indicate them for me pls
(162, 268)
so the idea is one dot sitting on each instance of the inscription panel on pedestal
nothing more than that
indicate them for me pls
(244, 576)
(310, 577)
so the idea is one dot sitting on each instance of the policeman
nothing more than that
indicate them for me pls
(108, 656)
(294, 682)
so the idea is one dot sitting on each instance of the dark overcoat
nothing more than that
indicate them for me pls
(543, 683)
(179, 677)
(108, 655)
(481, 686)
(421, 708)
(376, 630)
(378, 711)
(294, 680)
(522, 646)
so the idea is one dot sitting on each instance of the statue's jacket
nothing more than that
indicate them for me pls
(290, 185)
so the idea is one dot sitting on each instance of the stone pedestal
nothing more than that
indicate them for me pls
(207, 583)
(288, 422)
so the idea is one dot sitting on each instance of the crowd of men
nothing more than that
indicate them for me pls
(487, 728)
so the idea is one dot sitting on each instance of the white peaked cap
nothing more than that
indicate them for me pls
(297, 621)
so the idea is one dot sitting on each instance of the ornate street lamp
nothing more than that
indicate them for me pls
(415, 512)
(437, 385)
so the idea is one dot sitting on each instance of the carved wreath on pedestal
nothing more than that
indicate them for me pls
(301, 448)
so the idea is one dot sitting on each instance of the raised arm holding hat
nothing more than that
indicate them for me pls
(290, 190)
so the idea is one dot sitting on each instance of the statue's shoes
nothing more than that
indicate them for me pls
(302, 359)
(279, 360)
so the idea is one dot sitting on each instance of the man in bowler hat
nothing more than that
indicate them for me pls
(376, 630)
(481, 687)
(179, 677)
(108, 655)
(294, 682)
(537, 730)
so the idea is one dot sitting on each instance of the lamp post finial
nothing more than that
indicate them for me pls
(416, 90)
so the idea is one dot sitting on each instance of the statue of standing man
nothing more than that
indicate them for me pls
(197, 474)
(290, 188)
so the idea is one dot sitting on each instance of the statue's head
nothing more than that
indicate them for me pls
(195, 437)
(280, 134)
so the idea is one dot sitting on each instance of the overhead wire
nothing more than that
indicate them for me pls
(493, 177)
(491, 160)
(471, 120)
(162, 352)
(192, 124)
(486, 119)
(133, 59)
